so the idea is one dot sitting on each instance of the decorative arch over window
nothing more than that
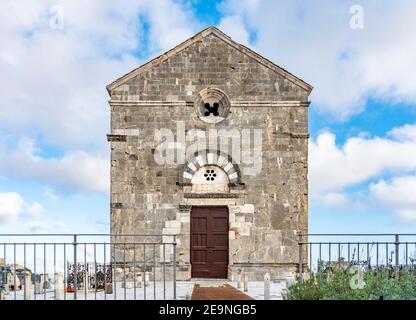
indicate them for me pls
(210, 173)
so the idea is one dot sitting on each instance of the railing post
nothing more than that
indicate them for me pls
(300, 255)
(75, 267)
(174, 267)
(397, 247)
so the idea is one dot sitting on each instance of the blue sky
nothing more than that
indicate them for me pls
(57, 56)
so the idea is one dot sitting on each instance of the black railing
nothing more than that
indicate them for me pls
(375, 251)
(87, 266)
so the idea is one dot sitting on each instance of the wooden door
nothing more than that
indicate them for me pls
(209, 242)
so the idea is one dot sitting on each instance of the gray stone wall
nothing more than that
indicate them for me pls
(268, 211)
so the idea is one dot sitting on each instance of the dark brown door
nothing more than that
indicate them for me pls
(209, 242)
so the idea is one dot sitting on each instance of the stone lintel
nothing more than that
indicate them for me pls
(210, 195)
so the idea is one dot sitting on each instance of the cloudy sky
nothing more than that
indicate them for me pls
(57, 56)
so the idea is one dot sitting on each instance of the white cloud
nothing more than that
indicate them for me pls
(35, 209)
(407, 215)
(58, 225)
(400, 191)
(399, 194)
(406, 132)
(43, 224)
(336, 199)
(53, 81)
(50, 194)
(14, 209)
(234, 27)
(334, 168)
(11, 206)
(361, 158)
(313, 40)
(35, 225)
(76, 170)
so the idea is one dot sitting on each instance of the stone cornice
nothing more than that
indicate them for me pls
(182, 103)
(300, 135)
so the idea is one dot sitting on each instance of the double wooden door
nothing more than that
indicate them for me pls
(209, 242)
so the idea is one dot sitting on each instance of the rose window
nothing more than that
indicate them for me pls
(210, 175)
(211, 105)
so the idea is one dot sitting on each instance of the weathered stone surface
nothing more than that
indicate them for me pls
(267, 210)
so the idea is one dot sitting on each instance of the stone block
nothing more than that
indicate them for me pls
(234, 209)
(173, 224)
(171, 231)
(247, 208)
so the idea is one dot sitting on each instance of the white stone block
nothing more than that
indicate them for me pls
(39, 288)
(146, 278)
(231, 235)
(187, 175)
(58, 286)
(171, 231)
(220, 161)
(245, 229)
(185, 219)
(267, 286)
(235, 225)
(27, 286)
(192, 166)
(247, 208)
(228, 167)
(234, 175)
(234, 209)
(172, 224)
(231, 217)
(200, 160)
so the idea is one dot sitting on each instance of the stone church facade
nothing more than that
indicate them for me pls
(231, 210)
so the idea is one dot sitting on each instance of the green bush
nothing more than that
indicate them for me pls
(336, 285)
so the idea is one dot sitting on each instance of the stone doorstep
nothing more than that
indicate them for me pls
(210, 283)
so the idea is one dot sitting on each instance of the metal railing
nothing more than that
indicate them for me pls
(87, 266)
(376, 251)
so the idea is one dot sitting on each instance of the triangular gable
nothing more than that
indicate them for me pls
(210, 30)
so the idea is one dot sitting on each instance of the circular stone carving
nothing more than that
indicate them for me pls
(212, 105)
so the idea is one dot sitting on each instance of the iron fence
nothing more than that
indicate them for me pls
(122, 266)
(87, 266)
(375, 251)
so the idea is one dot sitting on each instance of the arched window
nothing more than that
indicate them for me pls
(210, 179)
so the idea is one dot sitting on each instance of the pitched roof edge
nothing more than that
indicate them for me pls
(163, 57)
